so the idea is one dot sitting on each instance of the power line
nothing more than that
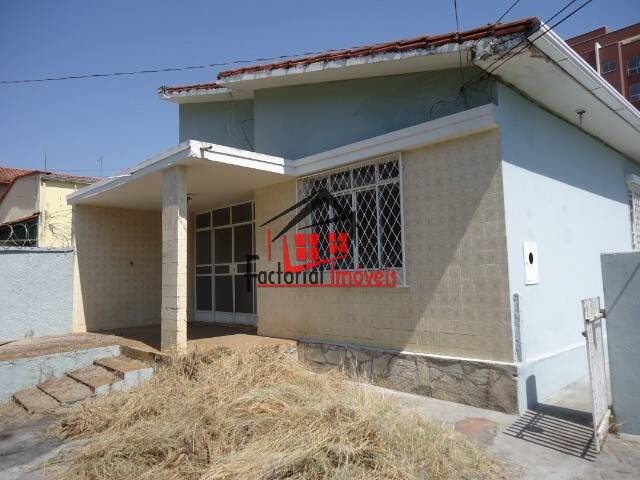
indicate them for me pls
(172, 69)
(546, 31)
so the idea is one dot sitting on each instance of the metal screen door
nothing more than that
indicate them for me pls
(223, 292)
(598, 365)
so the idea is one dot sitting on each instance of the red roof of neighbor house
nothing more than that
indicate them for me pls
(422, 42)
(10, 174)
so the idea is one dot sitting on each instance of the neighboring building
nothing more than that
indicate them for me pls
(33, 207)
(615, 55)
(490, 205)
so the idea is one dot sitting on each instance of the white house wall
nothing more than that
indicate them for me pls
(565, 191)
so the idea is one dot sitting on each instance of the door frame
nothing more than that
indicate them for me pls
(213, 315)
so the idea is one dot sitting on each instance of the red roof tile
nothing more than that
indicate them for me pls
(10, 174)
(423, 42)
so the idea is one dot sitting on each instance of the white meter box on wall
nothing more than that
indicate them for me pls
(531, 276)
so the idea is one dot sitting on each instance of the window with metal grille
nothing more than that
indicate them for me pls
(633, 183)
(634, 92)
(633, 65)
(608, 66)
(373, 192)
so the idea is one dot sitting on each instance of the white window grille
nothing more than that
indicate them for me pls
(633, 183)
(373, 192)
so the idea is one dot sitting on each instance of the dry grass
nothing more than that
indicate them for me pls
(260, 415)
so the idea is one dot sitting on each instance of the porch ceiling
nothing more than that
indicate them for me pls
(216, 175)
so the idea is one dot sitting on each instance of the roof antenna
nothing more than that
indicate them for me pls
(45, 158)
(100, 162)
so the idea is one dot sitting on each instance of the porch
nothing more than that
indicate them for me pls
(162, 249)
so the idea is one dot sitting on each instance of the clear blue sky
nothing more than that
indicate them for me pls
(123, 120)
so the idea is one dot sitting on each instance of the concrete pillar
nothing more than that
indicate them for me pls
(174, 259)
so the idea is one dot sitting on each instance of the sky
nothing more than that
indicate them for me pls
(122, 120)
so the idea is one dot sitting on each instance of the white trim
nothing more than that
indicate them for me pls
(179, 154)
(457, 125)
(566, 58)
(460, 124)
(403, 352)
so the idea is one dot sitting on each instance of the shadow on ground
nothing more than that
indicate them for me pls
(562, 429)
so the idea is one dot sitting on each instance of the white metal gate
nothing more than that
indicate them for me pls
(594, 326)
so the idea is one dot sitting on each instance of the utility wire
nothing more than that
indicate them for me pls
(173, 69)
(566, 17)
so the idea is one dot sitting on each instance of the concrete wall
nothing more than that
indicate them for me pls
(118, 268)
(35, 292)
(225, 123)
(21, 200)
(566, 191)
(457, 299)
(55, 219)
(296, 121)
(621, 276)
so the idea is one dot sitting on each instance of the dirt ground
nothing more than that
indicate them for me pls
(537, 445)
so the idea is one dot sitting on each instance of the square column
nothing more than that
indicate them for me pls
(174, 259)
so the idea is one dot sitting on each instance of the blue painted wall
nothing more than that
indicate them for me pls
(225, 123)
(297, 121)
(35, 292)
(566, 191)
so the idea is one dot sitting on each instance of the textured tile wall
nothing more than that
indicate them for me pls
(457, 299)
(118, 268)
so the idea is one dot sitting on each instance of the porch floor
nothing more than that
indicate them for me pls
(203, 336)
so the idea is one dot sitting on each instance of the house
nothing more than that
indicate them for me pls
(615, 55)
(33, 207)
(486, 172)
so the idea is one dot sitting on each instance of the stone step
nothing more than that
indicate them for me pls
(98, 379)
(65, 390)
(34, 400)
(132, 372)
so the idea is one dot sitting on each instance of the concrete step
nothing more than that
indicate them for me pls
(65, 390)
(98, 379)
(34, 400)
(131, 372)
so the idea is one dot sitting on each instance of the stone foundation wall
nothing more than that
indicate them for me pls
(480, 384)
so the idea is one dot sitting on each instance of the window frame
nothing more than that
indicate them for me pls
(375, 186)
(633, 188)
(635, 69)
(608, 62)
(637, 94)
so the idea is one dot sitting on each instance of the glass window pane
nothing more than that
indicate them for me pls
(244, 293)
(203, 247)
(341, 181)
(344, 224)
(203, 220)
(203, 270)
(221, 216)
(389, 170)
(203, 293)
(367, 229)
(242, 242)
(390, 225)
(224, 293)
(223, 245)
(242, 213)
(221, 269)
(365, 175)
